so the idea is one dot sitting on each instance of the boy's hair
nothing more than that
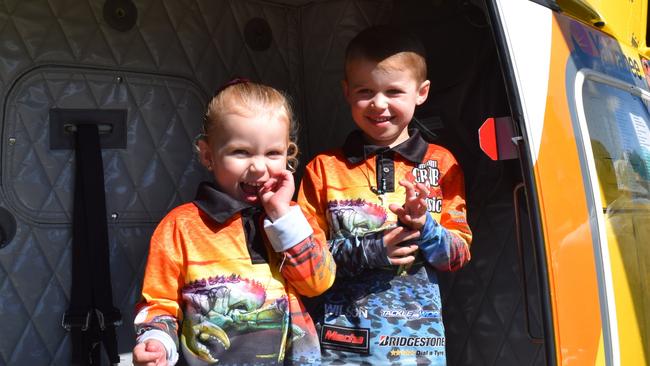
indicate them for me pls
(380, 42)
(247, 98)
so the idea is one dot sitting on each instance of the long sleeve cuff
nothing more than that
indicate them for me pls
(431, 231)
(435, 243)
(166, 340)
(375, 251)
(289, 230)
(355, 254)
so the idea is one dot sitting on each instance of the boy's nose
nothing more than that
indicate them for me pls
(379, 102)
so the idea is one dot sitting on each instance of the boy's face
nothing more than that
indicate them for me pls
(382, 98)
(243, 152)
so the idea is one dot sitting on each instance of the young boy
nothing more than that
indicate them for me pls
(394, 210)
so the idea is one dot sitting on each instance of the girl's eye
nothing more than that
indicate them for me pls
(364, 91)
(240, 152)
(274, 153)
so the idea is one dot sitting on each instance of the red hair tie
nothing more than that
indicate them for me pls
(232, 82)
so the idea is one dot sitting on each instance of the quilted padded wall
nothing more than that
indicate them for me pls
(142, 181)
(63, 54)
(327, 118)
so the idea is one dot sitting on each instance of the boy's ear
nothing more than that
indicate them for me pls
(344, 86)
(423, 92)
(205, 154)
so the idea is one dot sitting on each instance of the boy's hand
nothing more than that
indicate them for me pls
(397, 249)
(414, 212)
(150, 353)
(276, 194)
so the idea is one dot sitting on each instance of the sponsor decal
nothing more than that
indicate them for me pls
(413, 352)
(410, 314)
(345, 339)
(349, 310)
(395, 341)
(429, 174)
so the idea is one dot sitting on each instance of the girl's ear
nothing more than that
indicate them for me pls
(423, 92)
(292, 157)
(205, 154)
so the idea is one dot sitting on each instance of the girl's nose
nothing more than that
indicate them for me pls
(258, 165)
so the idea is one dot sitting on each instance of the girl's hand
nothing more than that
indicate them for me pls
(276, 194)
(150, 353)
(414, 211)
(397, 248)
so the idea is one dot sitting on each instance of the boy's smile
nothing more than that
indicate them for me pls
(379, 119)
(382, 98)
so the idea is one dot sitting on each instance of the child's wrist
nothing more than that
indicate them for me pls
(167, 342)
(289, 230)
(428, 231)
(277, 212)
(414, 225)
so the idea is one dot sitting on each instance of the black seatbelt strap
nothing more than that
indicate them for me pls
(91, 317)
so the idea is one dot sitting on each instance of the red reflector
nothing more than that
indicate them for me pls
(487, 139)
(495, 138)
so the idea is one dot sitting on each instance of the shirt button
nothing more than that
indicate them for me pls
(386, 170)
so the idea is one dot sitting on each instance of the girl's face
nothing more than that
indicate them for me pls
(243, 152)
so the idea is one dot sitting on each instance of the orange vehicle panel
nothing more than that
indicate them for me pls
(565, 219)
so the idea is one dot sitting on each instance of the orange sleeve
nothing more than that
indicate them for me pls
(311, 196)
(454, 210)
(163, 277)
(308, 266)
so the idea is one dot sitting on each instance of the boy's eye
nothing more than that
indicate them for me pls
(364, 91)
(394, 91)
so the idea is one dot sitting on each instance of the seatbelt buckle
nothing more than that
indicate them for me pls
(114, 317)
(75, 321)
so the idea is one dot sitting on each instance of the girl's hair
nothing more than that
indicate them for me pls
(247, 98)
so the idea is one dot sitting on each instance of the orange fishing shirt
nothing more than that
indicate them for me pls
(211, 269)
(377, 313)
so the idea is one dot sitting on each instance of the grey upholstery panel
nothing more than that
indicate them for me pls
(63, 54)
(35, 287)
(325, 37)
(142, 180)
(198, 39)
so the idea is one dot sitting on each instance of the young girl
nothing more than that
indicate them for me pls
(230, 265)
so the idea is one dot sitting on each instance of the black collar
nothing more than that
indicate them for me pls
(356, 150)
(218, 205)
